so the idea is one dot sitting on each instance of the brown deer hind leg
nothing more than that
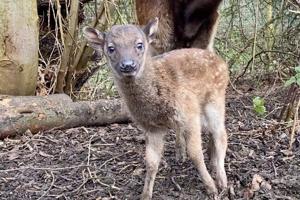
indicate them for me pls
(215, 121)
(195, 152)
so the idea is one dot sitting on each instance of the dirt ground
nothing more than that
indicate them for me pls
(107, 162)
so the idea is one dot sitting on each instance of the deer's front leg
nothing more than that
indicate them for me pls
(154, 149)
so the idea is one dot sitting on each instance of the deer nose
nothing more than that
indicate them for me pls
(128, 66)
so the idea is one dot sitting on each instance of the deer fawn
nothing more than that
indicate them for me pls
(181, 90)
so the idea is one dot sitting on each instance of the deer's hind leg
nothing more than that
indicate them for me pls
(214, 114)
(193, 140)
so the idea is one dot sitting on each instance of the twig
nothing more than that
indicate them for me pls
(81, 55)
(258, 54)
(109, 161)
(274, 167)
(295, 11)
(292, 137)
(106, 185)
(255, 34)
(176, 184)
(83, 45)
(80, 186)
(89, 151)
(234, 88)
(52, 183)
(42, 168)
(89, 154)
(60, 21)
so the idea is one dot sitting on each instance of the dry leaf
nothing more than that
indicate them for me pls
(137, 172)
(258, 182)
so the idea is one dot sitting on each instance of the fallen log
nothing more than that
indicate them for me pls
(35, 113)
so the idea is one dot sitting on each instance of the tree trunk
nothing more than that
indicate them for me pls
(19, 114)
(18, 47)
(68, 47)
(80, 72)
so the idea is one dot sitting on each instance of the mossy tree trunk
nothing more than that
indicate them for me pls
(18, 47)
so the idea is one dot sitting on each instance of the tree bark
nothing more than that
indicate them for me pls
(19, 114)
(18, 47)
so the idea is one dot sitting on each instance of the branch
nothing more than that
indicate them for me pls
(292, 136)
(250, 61)
(36, 113)
(67, 46)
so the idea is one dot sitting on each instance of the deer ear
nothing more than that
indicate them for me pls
(94, 37)
(151, 29)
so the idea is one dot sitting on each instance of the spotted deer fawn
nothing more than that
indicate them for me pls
(182, 90)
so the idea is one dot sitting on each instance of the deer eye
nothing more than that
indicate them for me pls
(140, 46)
(110, 49)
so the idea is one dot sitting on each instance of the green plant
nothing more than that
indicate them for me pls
(295, 78)
(259, 106)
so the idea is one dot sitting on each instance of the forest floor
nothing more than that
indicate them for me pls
(107, 162)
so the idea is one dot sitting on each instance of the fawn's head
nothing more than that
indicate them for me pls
(125, 46)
